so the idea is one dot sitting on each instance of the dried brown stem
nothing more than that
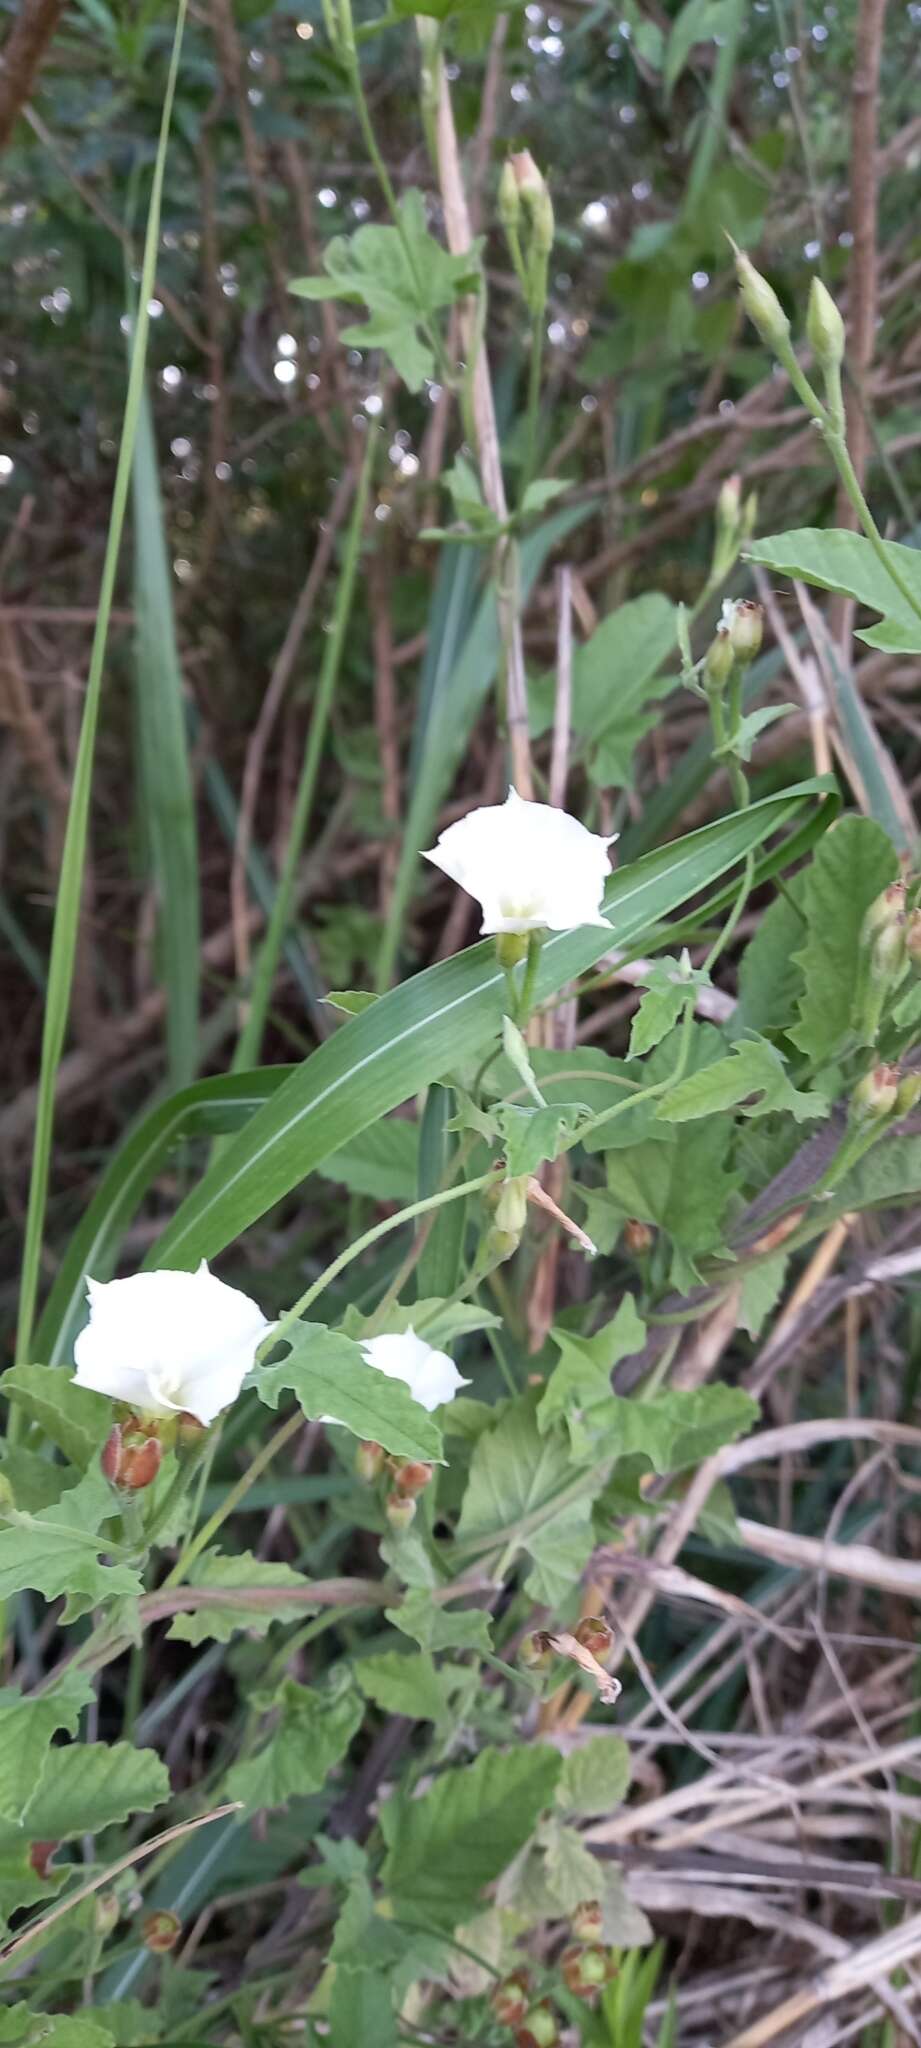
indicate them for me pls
(22, 53)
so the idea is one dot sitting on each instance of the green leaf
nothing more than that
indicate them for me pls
(444, 1846)
(361, 2010)
(20, 2028)
(434, 1627)
(851, 867)
(165, 775)
(770, 979)
(441, 1263)
(240, 1575)
(403, 1682)
(530, 1136)
(594, 1779)
(678, 1428)
(698, 21)
(428, 1026)
(615, 678)
(26, 1729)
(516, 1476)
(89, 1786)
(58, 1550)
(542, 491)
(382, 1161)
(754, 723)
(753, 1068)
(72, 1417)
(833, 559)
(351, 1000)
(680, 1181)
(312, 1734)
(669, 982)
(583, 1376)
(127, 2021)
(330, 1377)
(762, 1287)
(404, 278)
(571, 1872)
(891, 1172)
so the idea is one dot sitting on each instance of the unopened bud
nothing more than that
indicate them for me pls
(106, 1913)
(369, 1462)
(746, 630)
(909, 1094)
(824, 327)
(729, 502)
(129, 1466)
(585, 1970)
(595, 1635)
(512, 1205)
(639, 1238)
(888, 955)
(411, 1477)
(509, 2000)
(749, 516)
(161, 1932)
(534, 1650)
(509, 196)
(587, 1921)
(719, 661)
(400, 1511)
(876, 1094)
(913, 938)
(885, 910)
(761, 303)
(540, 2030)
(189, 1431)
(535, 192)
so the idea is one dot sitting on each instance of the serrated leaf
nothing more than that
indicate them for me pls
(444, 1846)
(26, 1729)
(659, 1011)
(571, 1871)
(530, 1136)
(403, 277)
(542, 491)
(754, 1069)
(403, 1682)
(762, 1287)
(684, 1183)
(312, 1733)
(72, 1417)
(88, 1786)
(58, 1550)
(834, 559)
(516, 1475)
(583, 1376)
(851, 867)
(330, 1377)
(594, 1779)
(435, 1627)
(240, 1574)
(678, 1428)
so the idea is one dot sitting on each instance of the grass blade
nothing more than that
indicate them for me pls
(165, 772)
(73, 857)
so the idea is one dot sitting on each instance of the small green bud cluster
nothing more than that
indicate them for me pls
(405, 1478)
(824, 333)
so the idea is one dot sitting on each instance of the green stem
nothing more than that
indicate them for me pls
(250, 1040)
(73, 853)
(538, 321)
(529, 978)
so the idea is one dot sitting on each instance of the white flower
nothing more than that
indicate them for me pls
(431, 1376)
(532, 866)
(169, 1343)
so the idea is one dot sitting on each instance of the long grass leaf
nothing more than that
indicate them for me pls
(70, 886)
(163, 754)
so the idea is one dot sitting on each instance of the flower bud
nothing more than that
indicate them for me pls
(534, 1651)
(509, 2000)
(913, 938)
(749, 516)
(369, 1462)
(909, 1094)
(534, 190)
(885, 910)
(887, 957)
(161, 1932)
(876, 1094)
(761, 303)
(587, 1921)
(540, 2030)
(189, 1431)
(595, 1635)
(400, 1511)
(509, 196)
(824, 327)
(585, 1970)
(729, 502)
(512, 1205)
(746, 630)
(639, 1238)
(129, 1466)
(412, 1477)
(106, 1914)
(719, 661)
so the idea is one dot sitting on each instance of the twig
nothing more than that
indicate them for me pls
(33, 27)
